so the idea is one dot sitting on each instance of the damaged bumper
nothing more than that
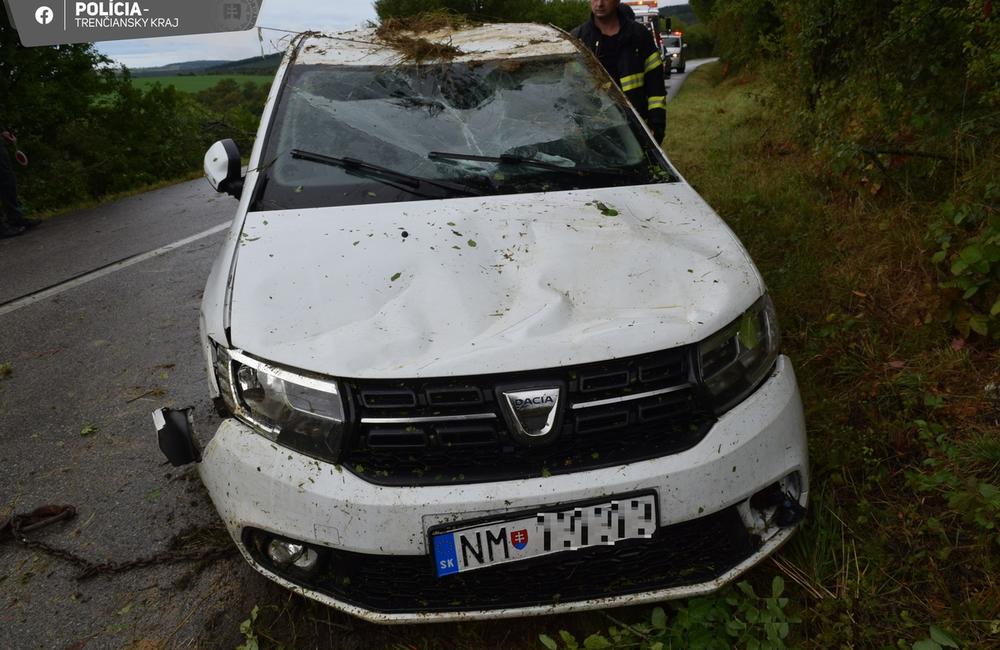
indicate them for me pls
(372, 541)
(175, 435)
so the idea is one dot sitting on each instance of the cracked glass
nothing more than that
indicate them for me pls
(552, 110)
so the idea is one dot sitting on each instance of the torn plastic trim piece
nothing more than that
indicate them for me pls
(779, 506)
(790, 512)
(175, 435)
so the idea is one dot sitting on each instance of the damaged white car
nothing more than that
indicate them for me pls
(481, 350)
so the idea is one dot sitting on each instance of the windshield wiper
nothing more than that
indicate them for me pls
(410, 182)
(510, 159)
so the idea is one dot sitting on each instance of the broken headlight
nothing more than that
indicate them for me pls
(295, 410)
(737, 359)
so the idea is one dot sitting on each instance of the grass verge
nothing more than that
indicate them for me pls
(902, 416)
(44, 215)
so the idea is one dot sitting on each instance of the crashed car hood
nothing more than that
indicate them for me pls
(486, 284)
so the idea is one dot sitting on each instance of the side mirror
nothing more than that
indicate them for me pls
(223, 168)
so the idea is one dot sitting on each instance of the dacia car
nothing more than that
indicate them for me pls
(481, 351)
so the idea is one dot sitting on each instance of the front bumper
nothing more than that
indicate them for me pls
(256, 484)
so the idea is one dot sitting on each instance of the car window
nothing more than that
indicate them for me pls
(549, 109)
(671, 41)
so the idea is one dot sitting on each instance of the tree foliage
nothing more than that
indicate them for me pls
(236, 109)
(936, 50)
(700, 41)
(90, 132)
(904, 96)
(697, 37)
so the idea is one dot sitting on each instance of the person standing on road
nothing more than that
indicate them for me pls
(628, 52)
(12, 220)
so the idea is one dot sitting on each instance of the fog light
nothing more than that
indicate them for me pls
(284, 553)
(307, 561)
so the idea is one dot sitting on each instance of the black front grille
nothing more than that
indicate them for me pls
(689, 553)
(440, 431)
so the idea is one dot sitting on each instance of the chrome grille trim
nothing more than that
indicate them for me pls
(438, 418)
(629, 398)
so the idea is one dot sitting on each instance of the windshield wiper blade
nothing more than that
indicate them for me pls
(510, 159)
(409, 180)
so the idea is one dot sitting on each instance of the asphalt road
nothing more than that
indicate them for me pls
(88, 365)
(99, 326)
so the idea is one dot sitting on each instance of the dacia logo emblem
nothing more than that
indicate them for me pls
(532, 413)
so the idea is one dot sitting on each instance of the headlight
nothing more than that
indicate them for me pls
(299, 411)
(735, 360)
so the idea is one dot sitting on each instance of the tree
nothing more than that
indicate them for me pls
(704, 9)
(50, 95)
(90, 132)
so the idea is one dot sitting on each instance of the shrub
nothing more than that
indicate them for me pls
(734, 618)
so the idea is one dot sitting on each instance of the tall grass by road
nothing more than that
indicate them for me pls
(904, 529)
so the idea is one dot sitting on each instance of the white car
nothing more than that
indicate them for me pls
(482, 351)
(674, 57)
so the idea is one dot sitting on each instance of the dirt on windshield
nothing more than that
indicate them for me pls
(403, 35)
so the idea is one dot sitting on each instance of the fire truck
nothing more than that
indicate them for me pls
(647, 14)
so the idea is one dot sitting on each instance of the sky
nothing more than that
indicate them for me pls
(295, 15)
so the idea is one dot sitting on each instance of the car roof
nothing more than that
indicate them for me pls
(364, 47)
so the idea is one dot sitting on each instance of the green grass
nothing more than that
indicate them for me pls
(197, 83)
(903, 531)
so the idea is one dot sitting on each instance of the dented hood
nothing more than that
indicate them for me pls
(481, 285)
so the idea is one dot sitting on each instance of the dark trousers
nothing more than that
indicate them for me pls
(8, 191)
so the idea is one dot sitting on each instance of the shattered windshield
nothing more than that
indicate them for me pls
(523, 125)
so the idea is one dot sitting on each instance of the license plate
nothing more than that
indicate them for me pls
(543, 533)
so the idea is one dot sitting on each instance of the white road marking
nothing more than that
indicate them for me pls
(55, 290)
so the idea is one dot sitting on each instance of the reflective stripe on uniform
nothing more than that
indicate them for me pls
(657, 102)
(632, 82)
(653, 62)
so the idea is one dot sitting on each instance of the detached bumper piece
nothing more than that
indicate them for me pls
(689, 553)
(175, 435)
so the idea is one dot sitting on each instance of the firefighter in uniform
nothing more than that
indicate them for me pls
(628, 52)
